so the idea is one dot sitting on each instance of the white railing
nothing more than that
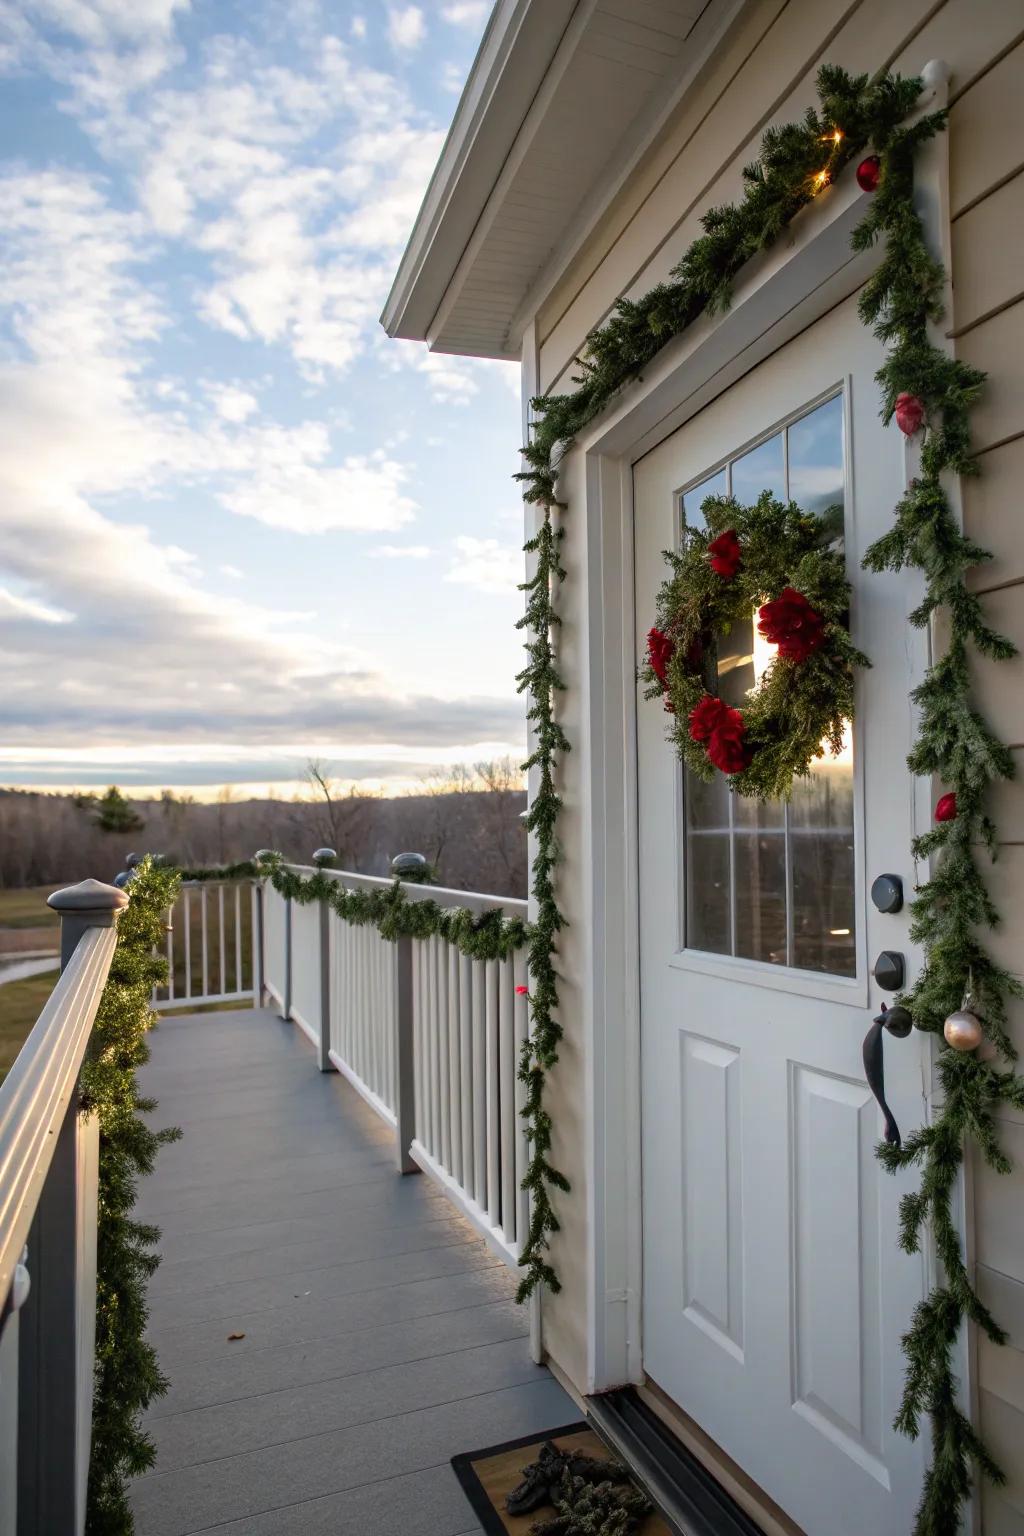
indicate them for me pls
(210, 932)
(49, 1161)
(429, 1037)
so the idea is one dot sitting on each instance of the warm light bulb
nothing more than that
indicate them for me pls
(820, 179)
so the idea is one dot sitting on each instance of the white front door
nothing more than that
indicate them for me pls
(775, 1292)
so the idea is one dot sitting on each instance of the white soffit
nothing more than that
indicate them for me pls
(562, 98)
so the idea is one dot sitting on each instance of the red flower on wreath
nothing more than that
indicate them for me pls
(706, 716)
(792, 624)
(659, 654)
(725, 554)
(713, 721)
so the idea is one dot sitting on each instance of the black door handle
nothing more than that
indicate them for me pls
(898, 1022)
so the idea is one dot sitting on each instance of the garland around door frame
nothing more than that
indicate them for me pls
(962, 992)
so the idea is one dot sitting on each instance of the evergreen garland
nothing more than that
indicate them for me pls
(954, 744)
(900, 302)
(489, 936)
(128, 1375)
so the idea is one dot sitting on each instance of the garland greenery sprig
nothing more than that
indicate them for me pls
(128, 1374)
(954, 744)
(487, 936)
(951, 909)
(786, 565)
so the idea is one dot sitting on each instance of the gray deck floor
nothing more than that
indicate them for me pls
(381, 1336)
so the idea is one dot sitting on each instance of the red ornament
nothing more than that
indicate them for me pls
(869, 173)
(659, 654)
(522, 991)
(792, 624)
(945, 808)
(909, 412)
(725, 554)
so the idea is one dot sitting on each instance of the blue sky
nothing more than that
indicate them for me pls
(238, 526)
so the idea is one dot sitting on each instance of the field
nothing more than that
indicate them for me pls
(21, 1003)
(26, 922)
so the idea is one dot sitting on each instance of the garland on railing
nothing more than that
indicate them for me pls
(489, 936)
(128, 1375)
(905, 295)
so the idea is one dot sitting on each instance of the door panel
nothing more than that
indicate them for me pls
(774, 1291)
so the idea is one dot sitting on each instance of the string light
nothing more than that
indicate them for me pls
(820, 180)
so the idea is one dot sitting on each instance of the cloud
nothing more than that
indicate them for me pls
(406, 27)
(232, 403)
(295, 188)
(287, 491)
(12, 606)
(466, 13)
(486, 564)
(108, 633)
(400, 552)
(452, 380)
(232, 571)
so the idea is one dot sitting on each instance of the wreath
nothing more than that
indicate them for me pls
(786, 566)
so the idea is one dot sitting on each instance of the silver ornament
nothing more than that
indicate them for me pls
(963, 1030)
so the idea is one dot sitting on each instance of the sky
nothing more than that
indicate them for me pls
(239, 527)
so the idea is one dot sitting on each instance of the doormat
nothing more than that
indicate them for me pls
(489, 1476)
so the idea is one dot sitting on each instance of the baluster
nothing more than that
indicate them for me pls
(480, 1082)
(493, 1131)
(170, 953)
(442, 1054)
(205, 940)
(436, 1148)
(453, 1064)
(239, 978)
(507, 1091)
(188, 941)
(466, 1072)
(220, 934)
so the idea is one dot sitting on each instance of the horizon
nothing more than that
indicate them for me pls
(239, 527)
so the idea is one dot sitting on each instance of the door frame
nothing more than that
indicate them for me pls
(781, 294)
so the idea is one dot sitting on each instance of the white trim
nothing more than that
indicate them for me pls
(202, 1000)
(521, 38)
(474, 1214)
(375, 1102)
(307, 1029)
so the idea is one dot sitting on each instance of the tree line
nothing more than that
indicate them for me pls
(467, 821)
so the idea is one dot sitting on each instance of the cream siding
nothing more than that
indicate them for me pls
(763, 73)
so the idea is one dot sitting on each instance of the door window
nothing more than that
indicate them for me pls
(774, 881)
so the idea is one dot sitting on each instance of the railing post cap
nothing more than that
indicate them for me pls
(131, 859)
(410, 866)
(324, 856)
(87, 896)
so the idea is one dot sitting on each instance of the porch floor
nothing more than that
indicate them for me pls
(380, 1333)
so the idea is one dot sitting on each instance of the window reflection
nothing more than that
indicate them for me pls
(775, 882)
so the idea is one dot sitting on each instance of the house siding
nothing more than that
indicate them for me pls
(764, 73)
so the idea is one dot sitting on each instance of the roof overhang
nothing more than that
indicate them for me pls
(562, 99)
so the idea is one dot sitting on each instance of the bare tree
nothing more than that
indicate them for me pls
(339, 817)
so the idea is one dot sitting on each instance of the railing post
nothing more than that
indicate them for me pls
(411, 867)
(57, 1325)
(323, 858)
(286, 1002)
(258, 934)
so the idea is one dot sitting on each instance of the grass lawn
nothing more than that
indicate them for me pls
(27, 908)
(21, 1003)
